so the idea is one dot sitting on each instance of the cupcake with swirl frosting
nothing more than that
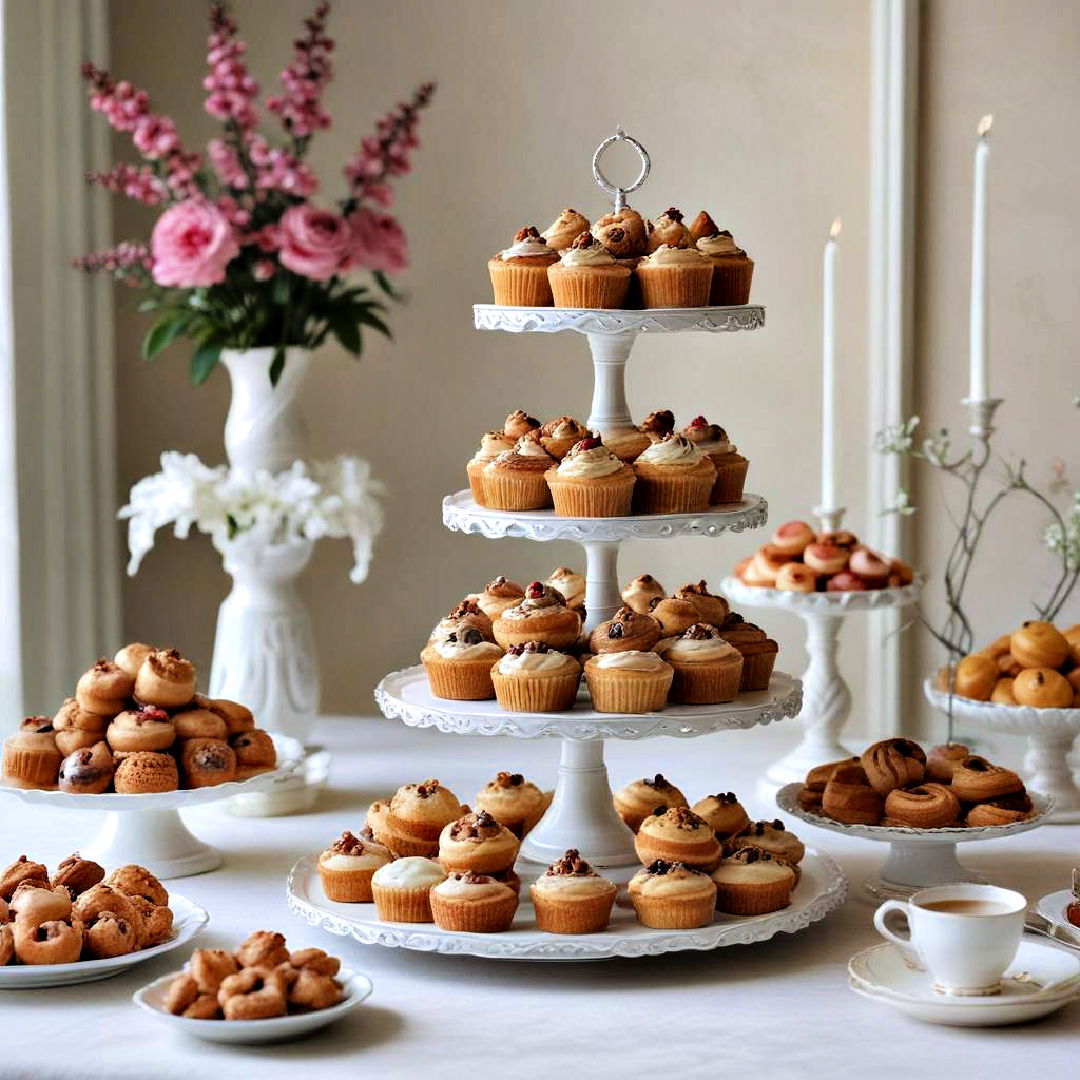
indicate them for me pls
(571, 584)
(668, 229)
(533, 677)
(672, 896)
(498, 594)
(492, 444)
(591, 482)
(559, 435)
(731, 466)
(588, 276)
(707, 668)
(630, 681)
(519, 273)
(759, 651)
(673, 277)
(626, 630)
(347, 866)
(515, 479)
(458, 666)
(565, 229)
(753, 882)
(543, 616)
(732, 269)
(673, 477)
(467, 613)
(570, 897)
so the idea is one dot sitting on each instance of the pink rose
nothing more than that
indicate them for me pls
(378, 241)
(315, 243)
(192, 244)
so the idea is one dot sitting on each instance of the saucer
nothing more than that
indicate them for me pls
(1052, 908)
(1040, 980)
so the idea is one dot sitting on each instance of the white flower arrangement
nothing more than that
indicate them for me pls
(336, 499)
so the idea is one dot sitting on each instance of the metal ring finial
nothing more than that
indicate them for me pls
(620, 193)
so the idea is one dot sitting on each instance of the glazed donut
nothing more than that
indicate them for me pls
(1042, 688)
(7, 944)
(314, 991)
(199, 724)
(104, 689)
(627, 630)
(33, 904)
(130, 658)
(1002, 693)
(210, 967)
(674, 616)
(825, 558)
(796, 577)
(253, 995)
(845, 581)
(770, 558)
(22, 869)
(849, 798)
(754, 573)
(641, 592)
(155, 922)
(135, 880)
(976, 780)
(982, 815)
(942, 760)
(166, 680)
(1039, 644)
(182, 992)
(263, 949)
(926, 806)
(893, 763)
(976, 676)
(792, 538)
(111, 935)
(48, 942)
(871, 567)
(711, 609)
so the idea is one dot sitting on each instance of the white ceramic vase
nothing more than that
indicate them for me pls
(264, 649)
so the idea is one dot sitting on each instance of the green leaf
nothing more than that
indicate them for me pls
(163, 333)
(149, 305)
(345, 330)
(281, 290)
(369, 318)
(203, 361)
(277, 365)
(384, 283)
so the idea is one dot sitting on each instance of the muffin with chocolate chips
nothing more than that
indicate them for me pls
(672, 896)
(678, 835)
(640, 798)
(753, 881)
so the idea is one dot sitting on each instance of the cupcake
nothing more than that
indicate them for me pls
(674, 278)
(702, 225)
(458, 666)
(146, 772)
(477, 842)
(558, 435)
(732, 269)
(658, 424)
(498, 595)
(731, 467)
(512, 801)
(570, 897)
(77, 729)
(416, 817)
(641, 798)
(347, 866)
(519, 274)
(641, 592)
(723, 813)
(591, 482)
(515, 480)
(565, 229)
(671, 896)
(492, 444)
(532, 677)
(104, 689)
(625, 441)
(673, 477)
(677, 835)
(588, 276)
(668, 229)
(88, 771)
(475, 903)
(542, 615)
(467, 615)
(757, 648)
(674, 617)
(401, 889)
(571, 584)
(710, 608)
(771, 836)
(753, 882)
(518, 423)
(628, 682)
(707, 668)
(31, 759)
(627, 631)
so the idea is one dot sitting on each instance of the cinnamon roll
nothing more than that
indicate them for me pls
(893, 763)
(976, 780)
(925, 806)
(849, 798)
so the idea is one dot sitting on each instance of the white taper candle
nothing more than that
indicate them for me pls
(979, 378)
(828, 373)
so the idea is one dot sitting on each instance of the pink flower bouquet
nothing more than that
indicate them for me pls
(241, 257)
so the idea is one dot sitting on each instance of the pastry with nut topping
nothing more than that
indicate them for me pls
(641, 798)
(465, 614)
(724, 814)
(565, 229)
(672, 896)
(347, 866)
(673, 477)
(758, 651)
(516, 479)
(641, 592)
(752, 881)
(570, 897)
(625, 631)
(773, 837)
(473, 903)
(416, 817)
(628, 681)
(711, 609)
(512, 801)
(591, 482)
(571, 584)
(541, 615)
(458, 665)
(498, 595)
(519, 273)
(558, 435)
(668, 229)
(678, 835)
(477, 842)
(534, 677)
(588, 276)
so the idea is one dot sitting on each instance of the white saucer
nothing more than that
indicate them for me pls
(151, 998)
(1052, 908)
(1040, 980)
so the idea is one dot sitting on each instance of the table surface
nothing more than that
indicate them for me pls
(781, 1008)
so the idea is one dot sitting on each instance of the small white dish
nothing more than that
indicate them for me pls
(189, 920)
(357, 988)
(1052, 908)
(1039, 981)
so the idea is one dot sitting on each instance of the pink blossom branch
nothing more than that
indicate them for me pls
(135, 182)
(129, 262)
(300, 106)
(231, 91)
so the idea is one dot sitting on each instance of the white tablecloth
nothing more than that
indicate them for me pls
(776, 1009)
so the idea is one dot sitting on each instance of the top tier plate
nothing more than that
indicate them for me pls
(550, 320)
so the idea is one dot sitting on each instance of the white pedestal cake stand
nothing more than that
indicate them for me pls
(918, 858)
(148, 830)
(826, 697)
(1051, 734)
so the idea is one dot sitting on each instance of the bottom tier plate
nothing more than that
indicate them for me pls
(821, 890)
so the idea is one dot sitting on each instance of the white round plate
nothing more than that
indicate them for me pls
(406, 695)
(357, 988)
(189, 920)
(822, 603)
(960, 834)
(1015, 719)
(290, 756)
(461, 513)
(821, 889)
(1041, 979)
(550, 320)
(1052, 908)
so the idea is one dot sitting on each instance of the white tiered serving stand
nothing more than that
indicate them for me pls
(826, 697)
(1051, 734)
(147, 829)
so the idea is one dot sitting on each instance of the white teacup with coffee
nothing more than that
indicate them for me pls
(964, 935)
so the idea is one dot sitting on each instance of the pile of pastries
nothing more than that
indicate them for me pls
(622, 260)
(646, 469)
(897, 784)
(525, 647)
(796, 559)
(136, 725)
(260, 980)
(1036, 665)
(424, 857)
(79, 913)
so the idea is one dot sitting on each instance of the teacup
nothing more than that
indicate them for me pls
(964, 935)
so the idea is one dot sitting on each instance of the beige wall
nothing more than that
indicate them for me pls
(758, 112)
(1018, 61)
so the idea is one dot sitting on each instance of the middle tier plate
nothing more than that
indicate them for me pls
(405, 695)
(462, 513)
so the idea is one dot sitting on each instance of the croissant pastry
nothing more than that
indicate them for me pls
(893, 763)
(926, 806)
